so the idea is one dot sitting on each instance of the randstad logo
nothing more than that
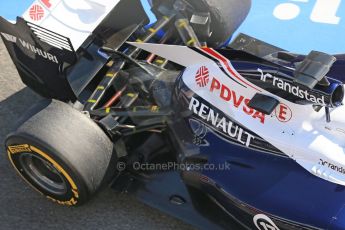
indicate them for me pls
(291, 89)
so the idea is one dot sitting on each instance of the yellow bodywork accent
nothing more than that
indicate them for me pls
(182, 24)
(159, 61)
(152, 30)
(111, 74)
(110, 64)
(154, 108)
(191, 42)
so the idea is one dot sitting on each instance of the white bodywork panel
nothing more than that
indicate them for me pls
(178, 54)
(75, 19)
(304, 135)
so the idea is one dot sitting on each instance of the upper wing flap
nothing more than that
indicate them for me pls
(181, 55)
(75, 19)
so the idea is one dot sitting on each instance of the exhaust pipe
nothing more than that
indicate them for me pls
(337, 93)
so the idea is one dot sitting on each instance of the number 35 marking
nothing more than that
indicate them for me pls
(324, 11)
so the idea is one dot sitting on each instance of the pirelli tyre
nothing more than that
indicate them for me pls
(226, 16)
(61, 153)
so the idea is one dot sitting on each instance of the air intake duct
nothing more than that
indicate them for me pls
(311, 73)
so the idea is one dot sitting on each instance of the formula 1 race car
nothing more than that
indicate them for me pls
(244, 135)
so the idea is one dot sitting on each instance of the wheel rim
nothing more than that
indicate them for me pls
(43, 173)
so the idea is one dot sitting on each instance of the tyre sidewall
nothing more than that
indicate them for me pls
(19, 144)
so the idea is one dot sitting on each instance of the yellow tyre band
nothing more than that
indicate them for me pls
(14, 166)
(49, 159)
(58, 167)
(70, 202)
(19, 148)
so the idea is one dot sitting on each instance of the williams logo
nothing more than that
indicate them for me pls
(291, 89)
(202, 76)
(263, 222)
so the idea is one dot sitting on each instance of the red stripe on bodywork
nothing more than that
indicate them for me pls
(46, 3)
(225, 61)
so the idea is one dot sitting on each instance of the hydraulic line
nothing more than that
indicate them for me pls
(115, 98)
(114, 71)
(164, 39)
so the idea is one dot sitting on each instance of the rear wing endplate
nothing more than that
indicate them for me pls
(38, 53)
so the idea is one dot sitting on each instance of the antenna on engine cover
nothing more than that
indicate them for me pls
(328, 114)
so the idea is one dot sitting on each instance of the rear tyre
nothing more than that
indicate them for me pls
(61, 153)
(227, 16)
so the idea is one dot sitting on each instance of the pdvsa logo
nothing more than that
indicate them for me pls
(283, 113)
(202, 76)
(263, 222)
(36, 12)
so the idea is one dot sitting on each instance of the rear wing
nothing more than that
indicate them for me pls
(39, 55)
(76, 19)
(42, 44)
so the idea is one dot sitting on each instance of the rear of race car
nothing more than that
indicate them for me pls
(123, 101)
(50, 37)
(59, 151)
(38, 54)
(119, 97)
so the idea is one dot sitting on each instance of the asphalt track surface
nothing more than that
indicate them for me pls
(22, 208)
